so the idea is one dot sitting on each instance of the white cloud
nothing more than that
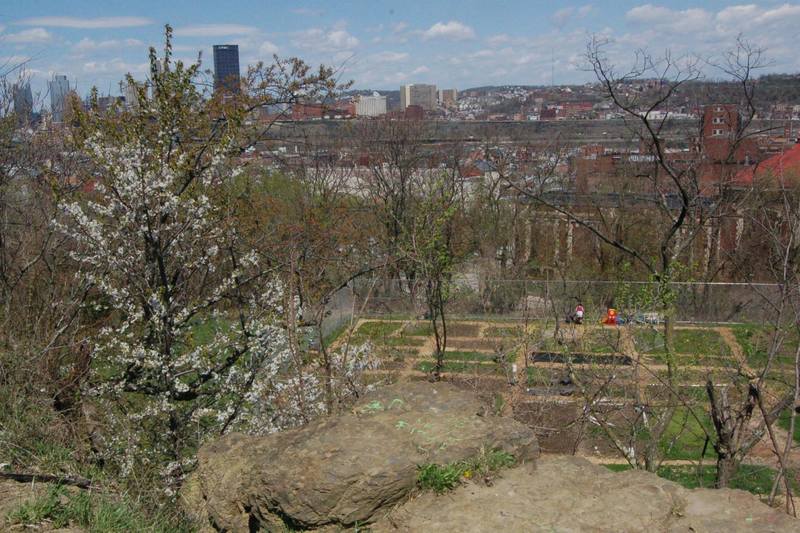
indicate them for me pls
(749, 15)
(34, 35)
(453, 30)
(86, 23)
(215, 30)
(420, 70)
(11, 62)
(90, 45)
(398, 27)
(663, 18)
(267, 48)
(114, 66)
(482, 54)
(564, 15)
(317, 39)
(496, 40)
(390, 57)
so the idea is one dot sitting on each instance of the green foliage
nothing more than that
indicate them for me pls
(752, 478)
(442, 478)
(93, 512)
(439, 478)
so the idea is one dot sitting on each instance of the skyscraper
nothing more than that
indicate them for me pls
(59, 89)
(371, 106)
(23, 103)
(448, 97)
(419, 94)
(226, 67)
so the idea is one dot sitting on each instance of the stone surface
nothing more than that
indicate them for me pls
(348, 469)
(567, 494)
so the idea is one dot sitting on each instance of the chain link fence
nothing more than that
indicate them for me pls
(471, 297)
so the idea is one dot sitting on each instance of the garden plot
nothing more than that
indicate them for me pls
(691, 341)
(473, 346)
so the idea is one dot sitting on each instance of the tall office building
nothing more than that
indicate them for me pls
(419, 94)
(133, 93)
(371, 106)
(23, 103)
(448, 97)
(59, 89)
(226, 67)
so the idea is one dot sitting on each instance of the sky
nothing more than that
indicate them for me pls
(380, 44)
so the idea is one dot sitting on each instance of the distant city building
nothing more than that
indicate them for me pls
(226, 67)
(448, 98)
(106, 103)
(132, 93)
(371, 106)
(59, 89)
(419, 94)
(23, 103)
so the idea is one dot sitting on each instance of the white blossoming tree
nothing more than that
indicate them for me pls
(193, 341)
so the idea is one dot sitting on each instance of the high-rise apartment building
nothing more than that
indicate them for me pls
(59, 89)
(419, 94)
(448, 97)
(23, 103)
(371, 106)
(226, 67)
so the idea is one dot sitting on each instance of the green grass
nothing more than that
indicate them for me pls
(752, 478)
(687, 341)
(504, 331)
(460, 367)
(756, 343)
(784, 420)
(335, 333)
(461, 329)
(697, 360)
(458, 355)
(93, 512)
(685, 436)
(400, 341)
(377, 330)
(442, 478)
(600, 341)
(418, 329)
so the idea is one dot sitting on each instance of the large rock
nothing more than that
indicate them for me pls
(566, 494)
(348, 469)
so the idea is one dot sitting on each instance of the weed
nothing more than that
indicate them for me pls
(94, 512)
(442, 478)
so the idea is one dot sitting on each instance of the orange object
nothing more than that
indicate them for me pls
(611, 317)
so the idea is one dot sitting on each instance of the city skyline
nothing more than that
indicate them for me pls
(380, 46)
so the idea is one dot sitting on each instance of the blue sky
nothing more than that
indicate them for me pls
(384, 44)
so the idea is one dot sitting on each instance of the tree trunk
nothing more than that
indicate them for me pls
(669, 331)
(726, 469)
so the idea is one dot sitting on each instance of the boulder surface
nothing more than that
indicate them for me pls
(569, 494)
(349, 469)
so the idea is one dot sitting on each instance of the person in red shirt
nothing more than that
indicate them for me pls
(579, 310)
